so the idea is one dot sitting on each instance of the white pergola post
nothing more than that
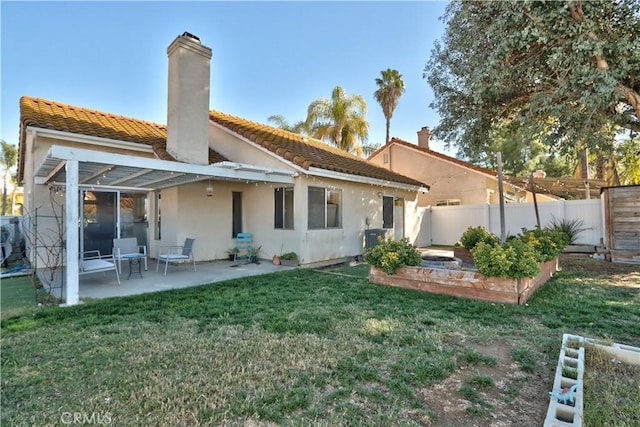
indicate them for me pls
(71, 226)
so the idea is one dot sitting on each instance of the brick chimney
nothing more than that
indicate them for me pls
(188, 102)
(424, 136)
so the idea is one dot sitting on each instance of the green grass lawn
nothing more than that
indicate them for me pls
(16, 294)
(304, 347)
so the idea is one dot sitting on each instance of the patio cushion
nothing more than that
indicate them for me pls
(96, 264)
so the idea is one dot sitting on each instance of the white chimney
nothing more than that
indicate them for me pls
(424, 136)
(539, 174)
(188, 103)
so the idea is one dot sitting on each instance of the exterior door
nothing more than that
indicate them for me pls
(99, 214)
(133, 216)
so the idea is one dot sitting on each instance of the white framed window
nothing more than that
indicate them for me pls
(448, 202)
(283, 213)
(325, 208)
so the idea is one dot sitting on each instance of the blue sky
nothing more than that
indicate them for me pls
(268, 57)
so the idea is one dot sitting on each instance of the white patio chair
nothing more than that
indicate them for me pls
(93, 262)
(125, 248)
(176, 254)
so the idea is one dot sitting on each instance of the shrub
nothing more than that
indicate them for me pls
(390, 255)
(570, 227)
(514, 258)
(491, 260)
(289, 256)
(474, 235)
(547, 243)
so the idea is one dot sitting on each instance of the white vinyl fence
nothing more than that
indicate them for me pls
(443, 225)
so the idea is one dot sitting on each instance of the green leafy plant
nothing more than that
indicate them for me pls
(289, 256)
(391, 254)
(514, 259)
(547, 243)
(519, 256)
(570, 227)
(255, 251)
(474, 235)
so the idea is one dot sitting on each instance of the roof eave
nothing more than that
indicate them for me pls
(324, 173)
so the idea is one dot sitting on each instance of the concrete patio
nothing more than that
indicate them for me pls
(104, 285)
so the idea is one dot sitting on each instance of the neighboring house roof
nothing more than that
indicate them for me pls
(300, 150)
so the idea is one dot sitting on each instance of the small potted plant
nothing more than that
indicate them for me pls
(255, 254)
(230, 253)
(289, 259)
(276, 260)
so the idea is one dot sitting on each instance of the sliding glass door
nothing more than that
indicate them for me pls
(107, 215)
(98, 221)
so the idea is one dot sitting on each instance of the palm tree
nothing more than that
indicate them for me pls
(390, 89)
(280, 122)
(340, 121)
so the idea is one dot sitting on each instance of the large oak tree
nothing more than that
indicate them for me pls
(566, 73)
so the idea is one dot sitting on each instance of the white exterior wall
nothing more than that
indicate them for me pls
(187, 212)
(444, 225)
(359, 201)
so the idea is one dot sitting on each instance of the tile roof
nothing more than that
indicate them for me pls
(305, 151)
(53, 115)
(302, 151)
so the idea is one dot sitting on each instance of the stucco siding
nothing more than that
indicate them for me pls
(242, 151)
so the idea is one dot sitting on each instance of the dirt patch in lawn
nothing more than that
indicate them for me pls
(483, 395)
(627, 275)
(516, 398)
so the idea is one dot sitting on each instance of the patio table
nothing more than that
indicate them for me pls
(134, 260)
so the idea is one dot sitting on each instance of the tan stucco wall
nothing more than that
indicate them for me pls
(447, 180)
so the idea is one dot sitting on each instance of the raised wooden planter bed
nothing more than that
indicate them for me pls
(467, 284)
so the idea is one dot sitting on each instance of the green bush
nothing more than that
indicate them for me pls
(289, 256)
(474, 235)
(514, 259)
(390, 255)
(547, 243)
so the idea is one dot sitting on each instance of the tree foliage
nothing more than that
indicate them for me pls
(340, 120)
(8, 159)
(629, 161)
(390, 89)
(566, 73)
(282, 123)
